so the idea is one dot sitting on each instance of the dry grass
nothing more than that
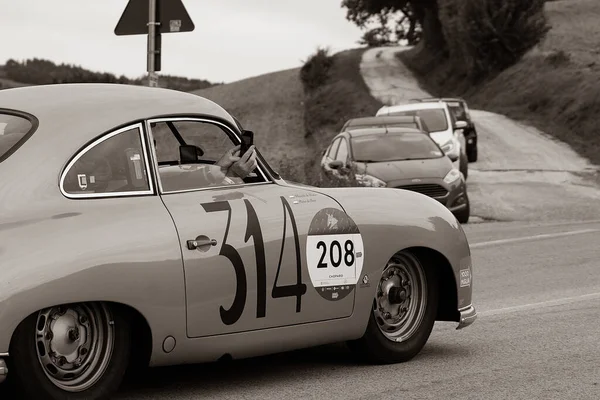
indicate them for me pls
(555, 87)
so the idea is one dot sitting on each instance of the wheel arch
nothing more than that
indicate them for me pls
(448, 294)
(141, 332)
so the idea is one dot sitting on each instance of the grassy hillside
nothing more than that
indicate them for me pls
(555, 87)
(272, 106)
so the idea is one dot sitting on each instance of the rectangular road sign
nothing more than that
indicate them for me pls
(172, 15)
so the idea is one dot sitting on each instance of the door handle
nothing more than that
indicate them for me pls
(200, 241)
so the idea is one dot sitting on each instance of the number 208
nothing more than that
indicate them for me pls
(336, 254)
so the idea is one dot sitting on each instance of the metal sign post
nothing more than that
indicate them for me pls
(158, 18)
(154, 45)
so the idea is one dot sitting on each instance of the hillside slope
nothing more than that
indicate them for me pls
(272, 106)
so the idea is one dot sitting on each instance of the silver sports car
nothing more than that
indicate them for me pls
(121, 244)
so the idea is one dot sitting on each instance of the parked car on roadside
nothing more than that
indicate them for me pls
(123, 243)
(460, 111)
(442, 128)
(407, 121)
(401, 158)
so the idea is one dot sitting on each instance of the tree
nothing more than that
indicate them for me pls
(412, 16)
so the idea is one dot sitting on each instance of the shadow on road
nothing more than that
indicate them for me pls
(221, 378)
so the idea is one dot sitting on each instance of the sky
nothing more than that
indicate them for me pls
(232, 40)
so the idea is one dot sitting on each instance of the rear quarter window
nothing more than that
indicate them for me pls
(15, 129)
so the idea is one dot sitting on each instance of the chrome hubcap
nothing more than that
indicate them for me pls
(401, 298)
(74, 344)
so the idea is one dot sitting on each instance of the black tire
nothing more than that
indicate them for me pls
(377, 348)
(464, 165)
(29, 379)
(472, 152)
(463, 215)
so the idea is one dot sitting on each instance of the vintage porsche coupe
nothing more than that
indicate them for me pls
(115, 250)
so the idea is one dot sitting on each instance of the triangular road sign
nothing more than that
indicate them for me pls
(171, 14)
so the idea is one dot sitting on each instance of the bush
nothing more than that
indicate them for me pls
(316, 70)
(484, 37)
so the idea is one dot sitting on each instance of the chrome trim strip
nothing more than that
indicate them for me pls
(468, 315)
(196, 119)
(81, 153)
(3, 354)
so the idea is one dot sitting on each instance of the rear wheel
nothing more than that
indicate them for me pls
(403, 313)
(70, 352)
(472, 152)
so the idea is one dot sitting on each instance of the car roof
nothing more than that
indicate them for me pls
(381, 120)
(416, 106)
(376, 130)
(430, 99)
(103, 106)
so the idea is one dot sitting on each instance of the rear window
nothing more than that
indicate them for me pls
(434, 119)
(14, 131)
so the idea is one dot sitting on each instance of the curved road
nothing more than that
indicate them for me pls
(536, 287)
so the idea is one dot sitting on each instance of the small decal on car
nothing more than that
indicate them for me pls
(82, 180)
(334, 254)
(465, 278)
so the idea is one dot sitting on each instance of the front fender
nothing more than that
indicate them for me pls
(391, 220)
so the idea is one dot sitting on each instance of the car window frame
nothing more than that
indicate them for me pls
(226, 130)
(96, 141)
(335, 144)
(347, 152)
(35, 123)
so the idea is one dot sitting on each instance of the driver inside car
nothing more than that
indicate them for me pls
(231, 165)
(229, 169)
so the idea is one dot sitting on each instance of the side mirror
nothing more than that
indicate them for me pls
(190, 154)
(453, 157)
(336, 164)
(460, 125)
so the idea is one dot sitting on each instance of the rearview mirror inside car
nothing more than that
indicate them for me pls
(460, 125)
(189, 154)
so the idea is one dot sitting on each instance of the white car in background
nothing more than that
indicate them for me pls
(443, 128)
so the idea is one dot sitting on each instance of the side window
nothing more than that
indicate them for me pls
(333, 148)
(114, 165)
(342, 154)
(182, 169)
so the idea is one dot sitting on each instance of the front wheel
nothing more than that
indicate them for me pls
(463, 215)
(70, 352)
(404, 311)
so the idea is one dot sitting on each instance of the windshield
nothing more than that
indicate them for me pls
(392, 147)
(434, 119)
(13, 128)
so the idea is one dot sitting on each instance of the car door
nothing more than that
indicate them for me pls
(256, 254)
